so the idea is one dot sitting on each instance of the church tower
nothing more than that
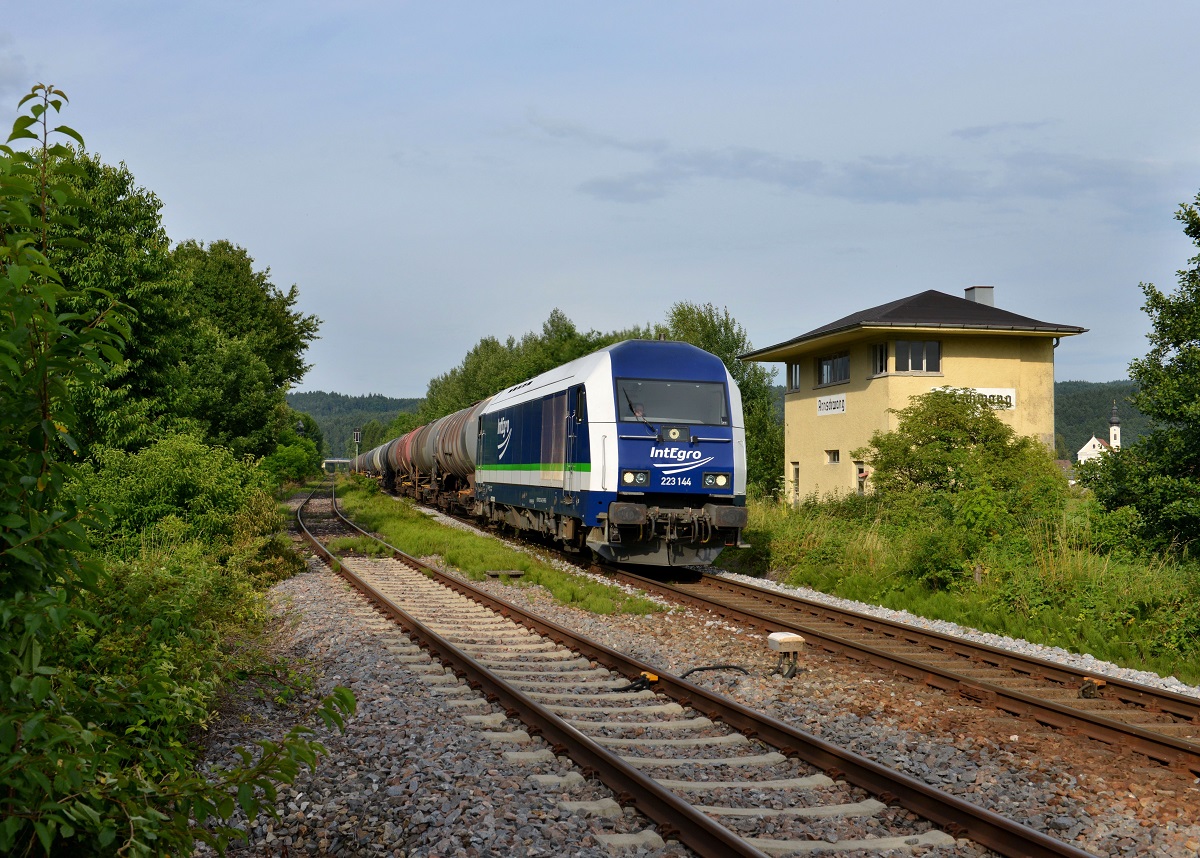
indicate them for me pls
(1114, 428)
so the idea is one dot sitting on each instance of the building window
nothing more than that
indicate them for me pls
(793, 376)
(879, 354)
(833, 369)
(833, 457)
(796, 482)
(918, 356)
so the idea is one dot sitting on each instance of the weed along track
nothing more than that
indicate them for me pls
(705, 771)
(1161, 725)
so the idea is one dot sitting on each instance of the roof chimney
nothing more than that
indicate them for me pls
(981, 295)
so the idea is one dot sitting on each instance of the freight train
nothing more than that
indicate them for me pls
(636, 452)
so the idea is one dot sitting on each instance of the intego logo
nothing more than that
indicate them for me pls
(679, 459)
(504, 429)
(679, 454)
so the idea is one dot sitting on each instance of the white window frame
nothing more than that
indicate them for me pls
(841, 360)
(907, 366)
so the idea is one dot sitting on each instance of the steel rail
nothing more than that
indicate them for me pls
(672, 815)
(1169, 750)
(957, 816)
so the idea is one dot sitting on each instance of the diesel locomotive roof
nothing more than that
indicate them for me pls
(665, 359)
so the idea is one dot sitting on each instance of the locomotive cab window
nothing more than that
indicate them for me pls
(653, 401)
(581, 405)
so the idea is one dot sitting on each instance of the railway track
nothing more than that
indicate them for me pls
(719, 777)
(1158, 724)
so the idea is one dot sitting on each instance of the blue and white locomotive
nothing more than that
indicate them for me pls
(637, 451)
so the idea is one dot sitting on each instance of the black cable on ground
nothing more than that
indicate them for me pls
(716, 667)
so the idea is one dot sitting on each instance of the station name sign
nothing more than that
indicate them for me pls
(998, 398)
(835, 404)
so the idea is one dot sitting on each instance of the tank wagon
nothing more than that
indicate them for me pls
(637, 452)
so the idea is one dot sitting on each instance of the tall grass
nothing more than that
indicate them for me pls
(403, 525)
(1066, 583)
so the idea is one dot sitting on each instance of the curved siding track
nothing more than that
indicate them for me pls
(721, 778)
(1161, 725)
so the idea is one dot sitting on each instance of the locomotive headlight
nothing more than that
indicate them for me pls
(637, 479)
(716, 481)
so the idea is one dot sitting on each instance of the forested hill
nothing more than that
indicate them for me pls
(1082, 408)
(339, 415)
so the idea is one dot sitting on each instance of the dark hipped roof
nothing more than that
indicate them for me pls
(929, 309)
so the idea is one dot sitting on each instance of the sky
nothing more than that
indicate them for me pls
(432, 173)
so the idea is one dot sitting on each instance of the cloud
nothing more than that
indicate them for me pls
(571, 132)
(976, 131)
(900, 179)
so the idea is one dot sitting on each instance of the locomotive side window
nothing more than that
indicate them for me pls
(650, 400)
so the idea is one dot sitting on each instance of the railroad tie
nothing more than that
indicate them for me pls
(467, 703)
(644, 839)
(699, 742)
(543, 755)
(511, 737)
(658, 709)
(878, 844)
(684, 724)
(604, 807)
(770, 759)
(492, 719)
(808, 783)
(566, 782)
(868, 807)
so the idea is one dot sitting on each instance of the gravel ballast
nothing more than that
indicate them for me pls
(411, 777)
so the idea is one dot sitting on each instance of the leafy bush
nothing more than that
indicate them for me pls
(179, 486)
(939, 560)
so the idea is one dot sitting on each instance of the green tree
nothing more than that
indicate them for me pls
(244, 346)
(224, 288)
(226, 391)
(115, 243)
(1159, 475)
(959, 478)
(373, 434)
(718, 332)
(403, 424)
(491, 366)
(72, 782)
(949, 441)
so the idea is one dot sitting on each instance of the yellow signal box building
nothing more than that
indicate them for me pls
(844, 377)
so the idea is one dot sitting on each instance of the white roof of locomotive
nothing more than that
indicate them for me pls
(554, 380)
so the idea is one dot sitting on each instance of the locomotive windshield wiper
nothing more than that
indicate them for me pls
(634, 411)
